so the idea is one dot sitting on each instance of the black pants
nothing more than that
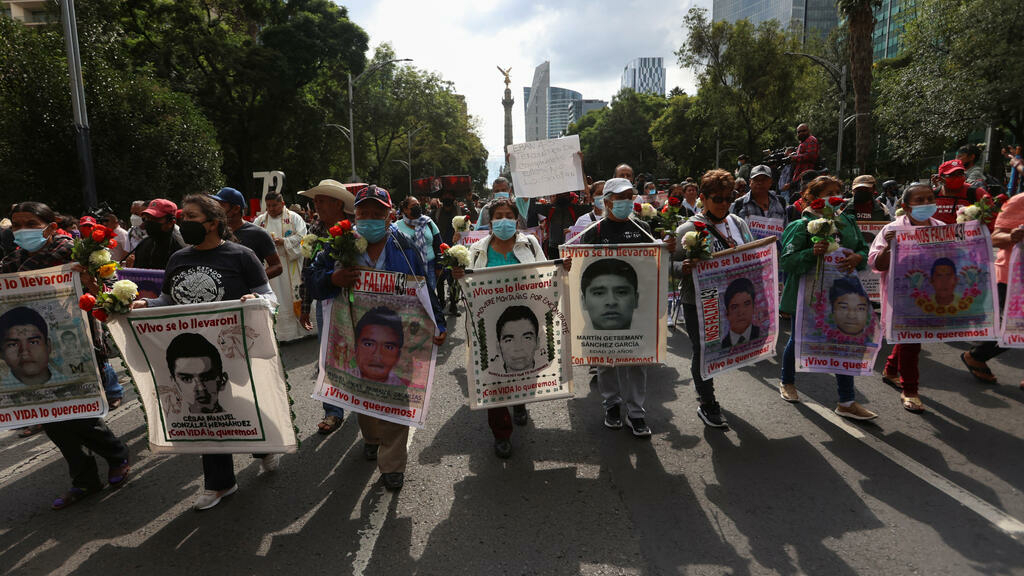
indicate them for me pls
(72, 436)
(705, 388)
(218, 471)
(986, 351)
(446, 278)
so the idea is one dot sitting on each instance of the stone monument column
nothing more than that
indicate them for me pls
(507, 102)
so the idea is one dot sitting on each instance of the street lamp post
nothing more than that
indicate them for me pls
(351, 116)
(409, 150)
(839, 76)
(81, 116)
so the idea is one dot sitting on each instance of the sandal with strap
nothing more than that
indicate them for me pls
(329, 424)
(982, 372)
(892, 380)
(912, 403)
(70, 497)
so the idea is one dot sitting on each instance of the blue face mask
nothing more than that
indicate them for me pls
(373, 230)
(500, 195)
(598, 203)
(621, 209)
(30, 239)
(504, 228)
(923, 212)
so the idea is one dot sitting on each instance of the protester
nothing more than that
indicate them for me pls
(119, 249)
(286, 229)
(726, 231)
(1015, 161)
(690, 205)
(622, 384)
(230, 271)
(786, 177)
(794, 211)
(761, 200)
(623, 171)
(137, 232)
(740, 188)
(954, 192)
(743, 168)
(248, 234)
(555, 219)
(443, 215)
(39, 246)
(501, 189)
(424, 234)
(502, 247)
(162, 237)
(800, 256)
(1009, 231)
(806, 155)
(334, 202)
(863, 205)
(388, 249)
(970, 155)
(890, 197)
(597, 205)
(919, 208)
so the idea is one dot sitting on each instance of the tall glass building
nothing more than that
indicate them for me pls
(814, 17)
(548, 108)
(890, 19)
(645, 75)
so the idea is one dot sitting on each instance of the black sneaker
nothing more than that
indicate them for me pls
(711, 414)
(639, 427)
(370, 451)
(520, 415)
(393, 480)
(612, 419)
(503, 448)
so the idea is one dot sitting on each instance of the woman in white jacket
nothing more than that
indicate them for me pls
(503, 246)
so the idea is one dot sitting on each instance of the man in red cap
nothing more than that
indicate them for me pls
(162, 238)
(954, 192)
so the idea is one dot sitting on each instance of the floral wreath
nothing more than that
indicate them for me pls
(825, 324)
(970, 275)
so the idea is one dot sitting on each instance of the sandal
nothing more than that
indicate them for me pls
(892, 380)
(912, 403)
(30, 431)
(329, 424)
(70, 497)
(982, 372)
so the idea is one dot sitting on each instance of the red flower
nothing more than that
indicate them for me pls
(335, 230)
(100, 314)
(1002, 198)
(818, 204)
(444, 247)
(86, 302)
(664, 209)
(113, 243)
(699, 225)
(345, 225)
(835, 200)
(98, 235)
(637, 207)
(675, 201)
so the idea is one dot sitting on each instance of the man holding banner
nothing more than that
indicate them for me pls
(763, 211)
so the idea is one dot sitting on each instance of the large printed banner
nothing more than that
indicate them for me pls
(575, 233)
(469, 238)
(871, 281)
(737, 305)
(546, 167)
(1011, 332)
(616, 319)
(762, 227)
(48, 370)
(379, 354)
(519, 335)
(940, 285)
(209, 376)
(837, 331)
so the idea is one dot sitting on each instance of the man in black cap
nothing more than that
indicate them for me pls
(248, 234)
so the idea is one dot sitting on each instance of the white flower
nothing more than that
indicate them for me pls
(647, 212)
(461, 255)
(816, 226)
(460, 223)
(307, 243)
(361, 244)
(99, 257)
(124, 291)
(972, 212)
(690, 239)
(960, 218)
(832, 247)
(900, 212)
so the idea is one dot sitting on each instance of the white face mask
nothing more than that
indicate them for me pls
(136, 220)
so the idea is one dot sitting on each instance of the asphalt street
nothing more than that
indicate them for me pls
(789, 489)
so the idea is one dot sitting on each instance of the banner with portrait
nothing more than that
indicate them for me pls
(940, 285)
(737, 306)
(48, 371)
(519, 345)
(618, 303)
(209, 376)
(764, 227)
(1011, 329)
(871, 281)
(837, 331)
(378, 354)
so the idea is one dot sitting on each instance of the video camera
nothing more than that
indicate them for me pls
(775, 159)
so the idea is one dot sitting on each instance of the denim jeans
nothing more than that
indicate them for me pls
(844, 382)
(111, 386)
(329, 409)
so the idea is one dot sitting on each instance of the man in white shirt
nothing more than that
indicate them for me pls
(120, 234)
(286, 228)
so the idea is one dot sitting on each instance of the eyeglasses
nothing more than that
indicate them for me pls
(718, 199)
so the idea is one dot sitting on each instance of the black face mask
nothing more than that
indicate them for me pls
(861, 195)
(415, 212)
(192, 232)
(562, 200)
(154, 228)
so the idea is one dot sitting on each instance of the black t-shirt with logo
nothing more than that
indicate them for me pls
(226, 272)
(256, 239)
(609, 231)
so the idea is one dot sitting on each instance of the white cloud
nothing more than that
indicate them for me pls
(587, 42)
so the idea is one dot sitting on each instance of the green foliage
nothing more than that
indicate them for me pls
(621, 134)
(681, 137)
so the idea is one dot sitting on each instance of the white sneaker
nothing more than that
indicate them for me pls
(270, 462)
(209, 498)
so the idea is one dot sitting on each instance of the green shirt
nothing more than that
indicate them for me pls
(495, 258)
(798, 253)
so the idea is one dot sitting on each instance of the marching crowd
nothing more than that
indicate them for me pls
(209, 251)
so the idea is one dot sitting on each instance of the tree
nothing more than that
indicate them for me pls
(680, 136)
(860, 19)
(621, 133)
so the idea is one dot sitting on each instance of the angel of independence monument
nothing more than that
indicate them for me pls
(507, 102)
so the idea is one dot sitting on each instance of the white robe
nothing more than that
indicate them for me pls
(292, 228)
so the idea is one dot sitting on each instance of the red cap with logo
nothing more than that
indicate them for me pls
(160, 207)
(950, 166)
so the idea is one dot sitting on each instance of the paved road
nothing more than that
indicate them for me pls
(790, 489)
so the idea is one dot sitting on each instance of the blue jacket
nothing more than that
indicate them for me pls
(321, 287)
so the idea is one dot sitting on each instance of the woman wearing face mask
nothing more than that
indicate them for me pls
(597, 190)
(900, 370)
(504, 246)
(40, 246)
(212, 269)
(727, 231)
(424, 234)
(800, 256)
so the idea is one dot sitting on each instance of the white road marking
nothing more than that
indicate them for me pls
(1012, 526)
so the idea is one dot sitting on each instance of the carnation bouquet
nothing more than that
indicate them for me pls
(115, 300)
(311, 245)
(454, 256)
(824, 229)
(668, 218)
(92, 251)
(695, 242)
(984, 210)
(343, 244)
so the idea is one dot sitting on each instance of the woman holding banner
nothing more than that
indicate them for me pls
(726, 231)
(505, 245)
(423, 232)
(900, 370)
(801, 254)
(39, 246)
(212, 269)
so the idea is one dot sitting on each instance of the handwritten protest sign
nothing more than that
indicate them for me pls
(519, 335)
(48, 371)
(612, 325)
(762, 227)
(837, 330)
(1011, 332)
(209, 376)
(378, 357)
(546, 167)
(940, 285)
(737, 305)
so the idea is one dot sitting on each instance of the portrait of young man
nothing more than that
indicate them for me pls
(378, 347)
(197, 372)
(739, 312)
(610, 294)
(518, 338)
(26, 348)
(851, 308)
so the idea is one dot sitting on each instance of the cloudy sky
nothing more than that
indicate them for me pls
(587, 42)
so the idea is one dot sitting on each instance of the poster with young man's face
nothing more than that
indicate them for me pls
(519, 335)
(210, 377)
(1011, 329)
(618, 303)
(48, 371)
